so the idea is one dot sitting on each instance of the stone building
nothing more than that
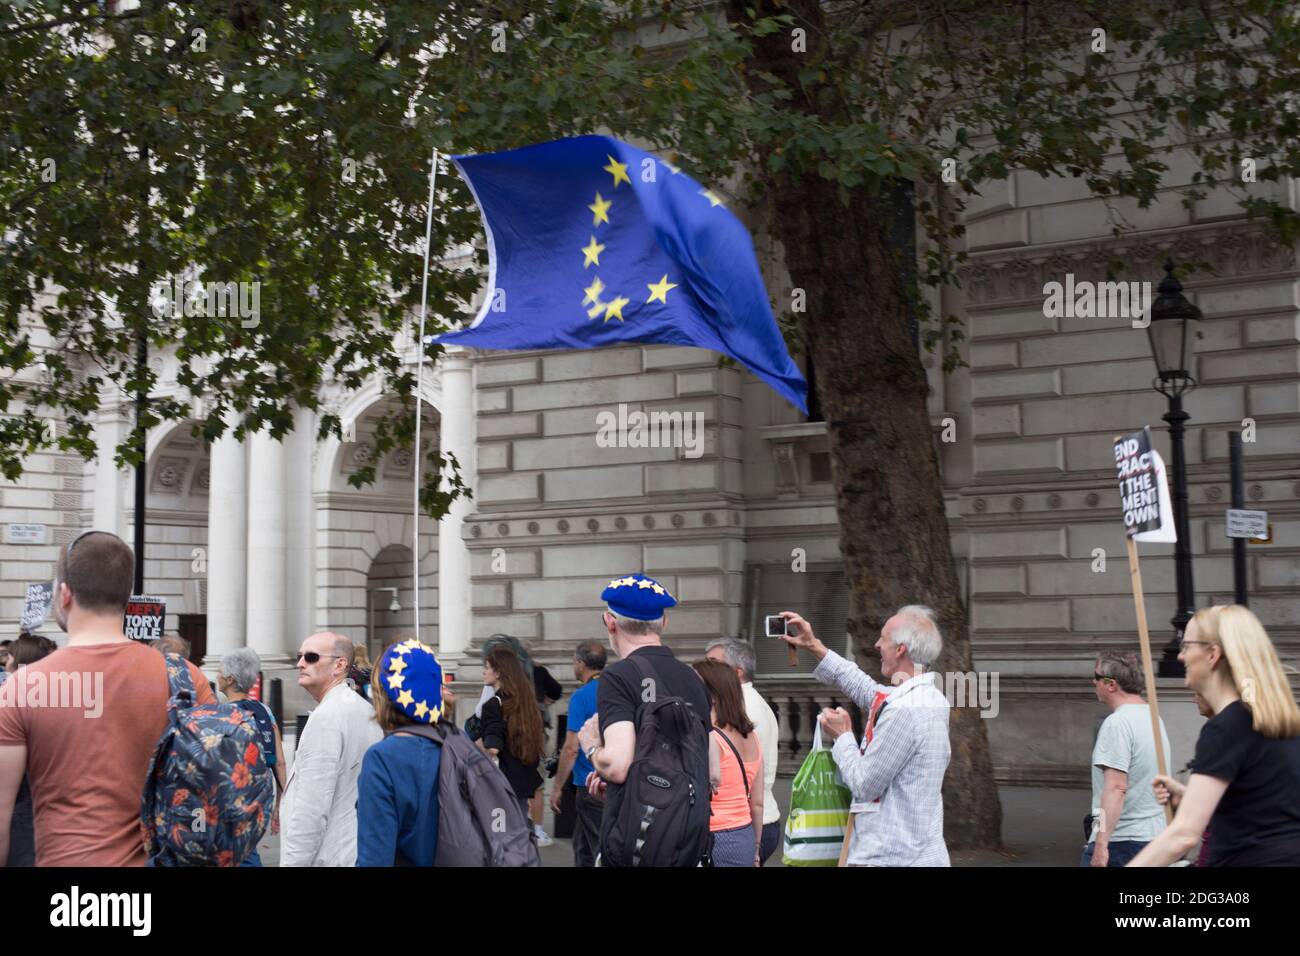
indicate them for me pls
(264, 542)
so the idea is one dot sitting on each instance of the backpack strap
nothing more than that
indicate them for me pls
(435, 732)
(743, 775)
(647, 674)
(180, 685)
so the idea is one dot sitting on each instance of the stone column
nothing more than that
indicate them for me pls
(300, 574)
(227, 558)
(112, 484)
(267, 549)
(457, 437)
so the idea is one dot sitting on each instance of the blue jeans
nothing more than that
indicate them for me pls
(252, 859)
(1121, 852)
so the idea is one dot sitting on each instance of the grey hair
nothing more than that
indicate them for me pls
(635, 628)
(242, 665)
(591, 654)
(1124, 668)
(918, 631)
(345, 649)
(739, 654)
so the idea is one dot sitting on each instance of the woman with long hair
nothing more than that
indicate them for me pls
(27, 649)
(1246, 772)
(512, 724)
(735, 770)
(397, 792)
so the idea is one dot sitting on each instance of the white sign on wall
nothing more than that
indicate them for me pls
(1246, 524)
(26, 533)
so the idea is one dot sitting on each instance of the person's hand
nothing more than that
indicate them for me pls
(1100, 856)
(589, 734)
(803, 636)
(1167, 789)
(596, 786)
(275, 821)
(556, 793)
(835, 721)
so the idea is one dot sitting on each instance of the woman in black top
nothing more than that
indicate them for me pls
(1245, 781)
(512, 724)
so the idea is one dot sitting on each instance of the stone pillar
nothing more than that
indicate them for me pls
(227, 558)
(112, 484)
(267, 549)
(457, 437)
(300, 574)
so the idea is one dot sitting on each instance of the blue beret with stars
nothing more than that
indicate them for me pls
(412, 678)
(638, 597)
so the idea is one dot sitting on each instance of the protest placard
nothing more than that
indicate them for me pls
(37, 606)
(144, 618)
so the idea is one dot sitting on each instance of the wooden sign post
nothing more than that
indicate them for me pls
(1147, 514)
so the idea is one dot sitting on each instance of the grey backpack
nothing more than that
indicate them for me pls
(480, 821)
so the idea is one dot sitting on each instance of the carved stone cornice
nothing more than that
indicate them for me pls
(1006, 277)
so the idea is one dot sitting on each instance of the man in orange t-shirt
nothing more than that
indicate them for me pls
(83, 722)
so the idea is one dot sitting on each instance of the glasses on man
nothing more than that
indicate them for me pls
(1096, 676)
(311, 657)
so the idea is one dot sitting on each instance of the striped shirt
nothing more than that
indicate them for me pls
(897, 781)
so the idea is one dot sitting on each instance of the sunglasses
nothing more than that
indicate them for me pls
(311, 657)
(1096, 676)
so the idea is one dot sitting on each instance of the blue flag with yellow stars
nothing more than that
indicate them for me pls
(594, 242)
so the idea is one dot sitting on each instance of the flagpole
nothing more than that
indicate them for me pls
(419, 384)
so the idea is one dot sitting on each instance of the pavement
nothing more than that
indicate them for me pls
(1040, 827)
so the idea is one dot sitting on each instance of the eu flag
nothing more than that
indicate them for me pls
(594, 242)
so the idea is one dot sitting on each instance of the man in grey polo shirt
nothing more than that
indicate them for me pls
(1125, 814)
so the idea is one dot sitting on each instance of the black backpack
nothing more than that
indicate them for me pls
(660, 815)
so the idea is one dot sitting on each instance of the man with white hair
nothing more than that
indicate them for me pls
(896, 774)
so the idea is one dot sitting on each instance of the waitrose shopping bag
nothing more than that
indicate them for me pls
(819, 811)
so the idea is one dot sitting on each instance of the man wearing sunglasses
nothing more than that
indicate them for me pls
(1125, 814)
(318, 818)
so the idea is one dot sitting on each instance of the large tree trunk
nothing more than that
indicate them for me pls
(894, 534)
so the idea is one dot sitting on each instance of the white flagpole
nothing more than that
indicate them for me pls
(419, 409)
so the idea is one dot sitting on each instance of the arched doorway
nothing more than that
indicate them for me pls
(390, 599)
(176, 533)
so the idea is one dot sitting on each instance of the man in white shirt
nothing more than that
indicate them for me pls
(896, 774)
(740, 655)
(318, 816)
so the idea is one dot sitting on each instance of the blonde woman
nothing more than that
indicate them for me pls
(1246, 772)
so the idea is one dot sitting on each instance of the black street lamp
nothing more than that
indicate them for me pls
(1173, 331)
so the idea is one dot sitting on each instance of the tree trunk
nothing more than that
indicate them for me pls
(894, 536)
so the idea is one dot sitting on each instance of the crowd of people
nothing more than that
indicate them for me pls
(668, 763)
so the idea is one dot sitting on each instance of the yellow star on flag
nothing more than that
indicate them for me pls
(645, 585)
(601, 209)
(397, 666)
(660, 290)
(435, 713)
(404, 698)
(395, 680)
(592, 252)
(617, 170)
(421, 709)
(615, 309)
(711, 196)
(593, 292)
(401, 649)
(660, 589)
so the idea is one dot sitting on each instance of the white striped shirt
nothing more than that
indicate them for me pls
(902, 768)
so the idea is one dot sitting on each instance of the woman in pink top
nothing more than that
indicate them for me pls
(735, 770)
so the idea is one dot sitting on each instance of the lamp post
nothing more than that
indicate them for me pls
(1173, 331)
